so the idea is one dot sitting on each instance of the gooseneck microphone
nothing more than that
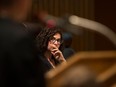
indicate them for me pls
(93, 25)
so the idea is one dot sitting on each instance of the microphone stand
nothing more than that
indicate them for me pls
(93, 25)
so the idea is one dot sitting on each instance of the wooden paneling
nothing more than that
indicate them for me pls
(83, 8)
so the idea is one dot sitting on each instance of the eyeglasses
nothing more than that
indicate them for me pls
(53, 40)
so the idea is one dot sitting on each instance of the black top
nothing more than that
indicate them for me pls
(46, 65)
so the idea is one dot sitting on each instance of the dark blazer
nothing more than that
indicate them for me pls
(46, 65)
(19, 65)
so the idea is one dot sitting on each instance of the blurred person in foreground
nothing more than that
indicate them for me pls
(49, 43)
(19, 66)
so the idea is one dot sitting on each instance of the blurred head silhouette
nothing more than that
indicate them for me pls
(15, 9)
(67, 37)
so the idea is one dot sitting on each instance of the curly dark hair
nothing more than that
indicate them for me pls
(44, 36)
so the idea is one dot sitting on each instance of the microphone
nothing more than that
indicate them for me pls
(92, 25)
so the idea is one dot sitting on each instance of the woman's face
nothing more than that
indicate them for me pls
(55, 41)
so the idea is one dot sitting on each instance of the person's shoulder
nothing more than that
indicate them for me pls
(68, 50)
(11, 26)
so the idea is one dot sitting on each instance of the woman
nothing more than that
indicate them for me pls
(49, 43)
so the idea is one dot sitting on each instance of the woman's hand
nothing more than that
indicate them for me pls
(57, 54)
